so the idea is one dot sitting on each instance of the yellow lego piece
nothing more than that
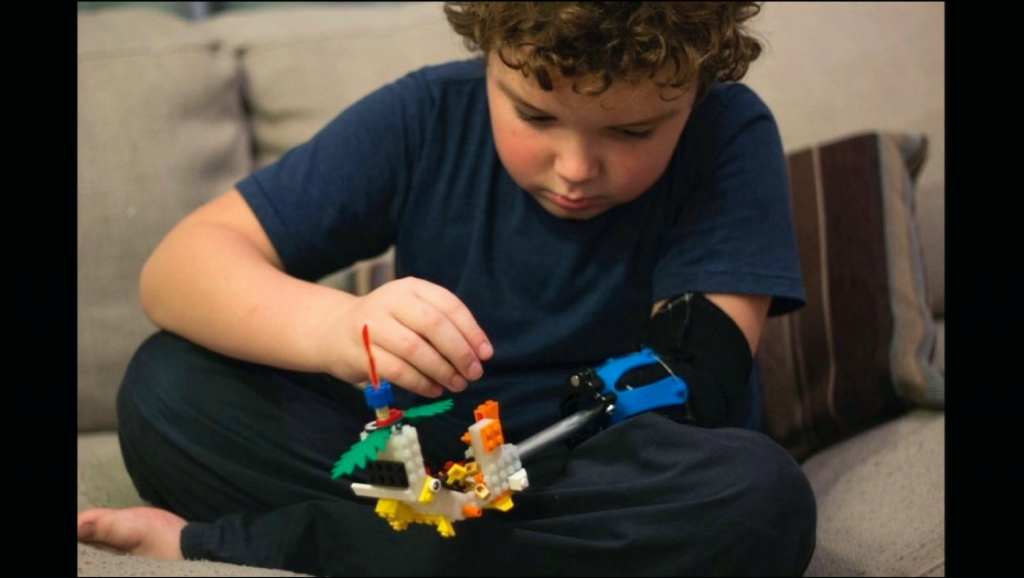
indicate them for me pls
(444, 527)
(503, 502)
(400, 515)
(430, 487)
(389, 510)
(386, 508)
(456, 474)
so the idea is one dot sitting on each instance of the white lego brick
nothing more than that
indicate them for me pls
(518, 481)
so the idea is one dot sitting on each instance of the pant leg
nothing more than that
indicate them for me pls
(651, 497)
(245, 451)
(204, 435)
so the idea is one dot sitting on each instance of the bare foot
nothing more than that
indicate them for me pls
(144, 531)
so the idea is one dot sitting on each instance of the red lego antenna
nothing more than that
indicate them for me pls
(373, 366)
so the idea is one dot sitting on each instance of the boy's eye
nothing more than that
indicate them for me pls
(532, 117)
(539, 119)
(636, 133)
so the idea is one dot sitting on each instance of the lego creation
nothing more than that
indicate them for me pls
(406, 491)
(492, 471)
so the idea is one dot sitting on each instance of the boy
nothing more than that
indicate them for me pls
(594, 182)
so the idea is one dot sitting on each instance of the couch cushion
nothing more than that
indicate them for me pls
(160, 130)
(861, 351)
(304, 66)
(881, 500)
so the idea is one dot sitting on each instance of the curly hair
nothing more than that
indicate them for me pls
(596, 43)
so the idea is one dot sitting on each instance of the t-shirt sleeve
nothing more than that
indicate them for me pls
(733, 228)
(337, 198)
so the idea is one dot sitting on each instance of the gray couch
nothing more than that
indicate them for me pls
(173, 113)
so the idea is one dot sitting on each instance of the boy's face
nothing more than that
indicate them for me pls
(582, 155)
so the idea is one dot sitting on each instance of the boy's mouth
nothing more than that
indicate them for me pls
(570, 204)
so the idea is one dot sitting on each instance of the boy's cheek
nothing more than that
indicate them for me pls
(520, 156)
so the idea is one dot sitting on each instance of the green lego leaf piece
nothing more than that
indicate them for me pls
(363, 451)
(429, 410)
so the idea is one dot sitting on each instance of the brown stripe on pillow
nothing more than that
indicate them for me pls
(859, 351)
(858, 279)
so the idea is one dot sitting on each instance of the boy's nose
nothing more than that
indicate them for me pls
(577, 165)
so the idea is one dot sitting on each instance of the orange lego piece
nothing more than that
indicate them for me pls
(471, 511)
(488, 409)
(492, 436)
(467, 439)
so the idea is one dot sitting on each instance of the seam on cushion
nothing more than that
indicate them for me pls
(207, 48)
(250, 49)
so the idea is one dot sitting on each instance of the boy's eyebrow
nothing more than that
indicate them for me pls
(651, 120)
(654, 119)
(519, 100)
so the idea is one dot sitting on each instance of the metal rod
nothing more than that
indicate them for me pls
(558, 431)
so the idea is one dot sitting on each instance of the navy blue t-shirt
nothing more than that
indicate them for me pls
(414, 165)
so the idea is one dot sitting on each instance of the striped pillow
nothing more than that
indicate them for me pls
(859, 353)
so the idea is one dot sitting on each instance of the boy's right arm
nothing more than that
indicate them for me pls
(217, 280)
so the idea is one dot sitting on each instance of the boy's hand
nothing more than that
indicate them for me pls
(423, 337)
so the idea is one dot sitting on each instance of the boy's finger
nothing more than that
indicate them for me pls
(451, 306)
(437, 328)
(402, 374)
(406, 344)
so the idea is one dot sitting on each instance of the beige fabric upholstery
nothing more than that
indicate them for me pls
(160, 130)
(869, 525)
(304, 67)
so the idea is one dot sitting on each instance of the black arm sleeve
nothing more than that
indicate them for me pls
(701, 344)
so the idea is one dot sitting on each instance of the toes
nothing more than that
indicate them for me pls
(87, 523)
(143, 531)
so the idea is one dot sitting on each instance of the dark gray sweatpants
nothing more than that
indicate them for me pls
(245, 452)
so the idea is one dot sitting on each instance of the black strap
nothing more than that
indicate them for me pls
(704, 346)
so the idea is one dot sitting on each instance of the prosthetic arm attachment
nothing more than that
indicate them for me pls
(702, 345)
(693, 366)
